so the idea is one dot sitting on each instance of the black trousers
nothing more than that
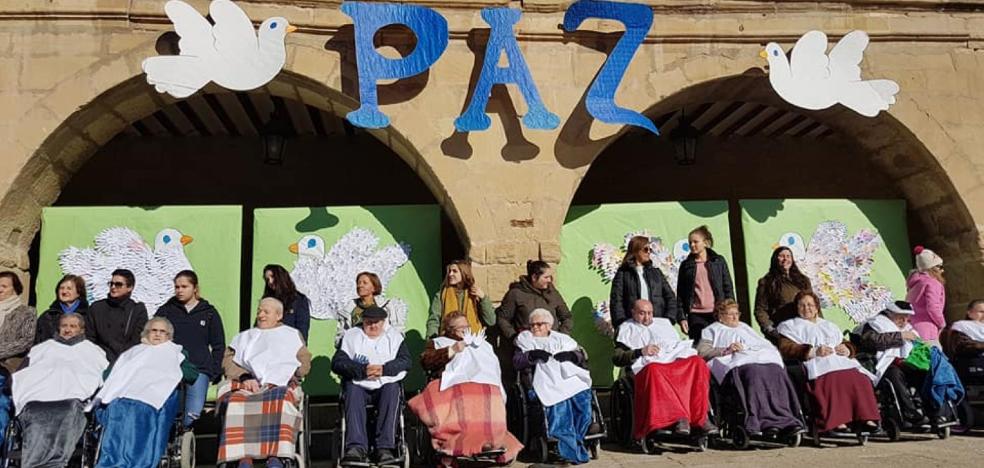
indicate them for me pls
(902, 377)
(697, 323)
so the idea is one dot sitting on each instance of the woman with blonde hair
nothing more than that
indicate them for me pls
(460, 293)
(927, 294)
(703, 281)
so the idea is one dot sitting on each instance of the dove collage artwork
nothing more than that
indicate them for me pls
(233, 55)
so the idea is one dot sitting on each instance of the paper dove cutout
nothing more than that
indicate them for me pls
(839, 268)
(606, 259)
(121, 247)
(228, 53)
(328, 280)
(814, 80)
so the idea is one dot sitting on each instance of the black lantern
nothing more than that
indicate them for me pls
(684, 139)
(274, 135)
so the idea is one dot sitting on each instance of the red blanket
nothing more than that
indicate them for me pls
(666, 393)
(465, 419)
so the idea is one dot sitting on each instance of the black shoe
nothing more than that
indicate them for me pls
(709, 428)
(682, 428)
(355, 454)
(385, 456)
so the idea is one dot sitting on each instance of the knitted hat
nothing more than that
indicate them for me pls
(926, 259)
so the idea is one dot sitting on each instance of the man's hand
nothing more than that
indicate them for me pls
(251, 385)
(374, 371)
(650, 350)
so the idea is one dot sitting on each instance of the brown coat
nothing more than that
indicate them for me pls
(434, 360)
(234, 372)
(790, 349)
(956, 344)
(771, 309)
(17, 336)
(522, 298)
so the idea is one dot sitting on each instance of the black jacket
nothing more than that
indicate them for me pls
(626, 290)
(298, 315)
(717, 273)
(47, 326)
(349, 369)
(115, 325)
(199, 332)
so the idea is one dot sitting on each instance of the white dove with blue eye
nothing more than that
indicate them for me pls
(813, 79)
(839, 268)
(327, 278)
(230, 53)
(121, 247)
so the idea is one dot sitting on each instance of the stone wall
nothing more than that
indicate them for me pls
(70, 81)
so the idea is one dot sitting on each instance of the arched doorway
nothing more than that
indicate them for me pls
(751, 144)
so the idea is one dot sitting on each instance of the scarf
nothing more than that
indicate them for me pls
(972, 328)
(554, 381)
(450, 303)
(7, 306)
(660, 332)
(70, 308)
(269, 354)
(757, 349)
(380, 350)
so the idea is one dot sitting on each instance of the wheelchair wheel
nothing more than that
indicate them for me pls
(739, 437)
(188, 446)
(648, 446)
(965, 417)
(593, 447)
(703, 442)
(794, 440)
(943, 432)
(892, 429)
(862, 439)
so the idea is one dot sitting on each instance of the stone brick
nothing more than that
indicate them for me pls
(43, 73)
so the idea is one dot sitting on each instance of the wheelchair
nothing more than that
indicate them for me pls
(622, 398)
(302, 439)
(798, 375)
(730, 414)
(402, 459)
(529, 423)
(86, 450)
(893, 422)
(970, 369)
(181, 445)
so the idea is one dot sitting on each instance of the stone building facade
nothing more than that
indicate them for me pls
(70, 81)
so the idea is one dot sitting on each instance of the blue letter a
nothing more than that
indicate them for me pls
(502, 40)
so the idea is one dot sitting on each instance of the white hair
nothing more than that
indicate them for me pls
(279, 306)
(544, 313)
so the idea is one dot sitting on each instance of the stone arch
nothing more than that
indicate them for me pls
(118, 97)
(939, 215)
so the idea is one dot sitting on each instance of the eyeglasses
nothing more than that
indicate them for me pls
(116, 284)
(647, 249)
(540, 324)
(158, 330)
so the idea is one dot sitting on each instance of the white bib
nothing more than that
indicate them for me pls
(661, 333)
(270, 354)
(757, 350)
(147, 373)
(555, 381)
(821, 333)
(477, 363)
(380, 350)
(882, 324)
(972, 328)
(57, 371)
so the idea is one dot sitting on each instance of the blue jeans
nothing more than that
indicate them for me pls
(195, 395)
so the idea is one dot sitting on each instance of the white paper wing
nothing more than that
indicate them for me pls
(809, 57)
(195, 31)
(846, 56)
(234, 35)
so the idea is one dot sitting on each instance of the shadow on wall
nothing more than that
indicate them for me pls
(598, 346)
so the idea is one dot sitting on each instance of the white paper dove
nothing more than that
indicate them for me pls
(839, 268)
(230, 52)
(814, 80)
(606, 259)
(328, 279)
(121, 247)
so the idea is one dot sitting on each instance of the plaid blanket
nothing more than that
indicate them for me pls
(259, 425)
(466, 419)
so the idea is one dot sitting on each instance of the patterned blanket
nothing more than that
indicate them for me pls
(259, 425)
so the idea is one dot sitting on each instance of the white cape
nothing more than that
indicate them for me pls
(477, 363)
(269, 354)
(58, 371)
(555, 381)
(820, 333)
(757, 350)
(882, 324)
(972, 328)
(661, 333)
(147, 373)
(380, 350)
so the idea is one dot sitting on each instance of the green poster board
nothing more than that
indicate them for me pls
(213, 250)
(855, 251)
(584, 286)
(416, 227)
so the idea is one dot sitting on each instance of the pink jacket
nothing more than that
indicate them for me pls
(928, 298)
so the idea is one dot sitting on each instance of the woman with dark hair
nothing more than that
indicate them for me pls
(367, 287)
(16, 322)
(297, 307)
(774, 297)
(459, 293)
(638, 278)
(704, 280)
(69, 299)
(533, 291)
(198, 329)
